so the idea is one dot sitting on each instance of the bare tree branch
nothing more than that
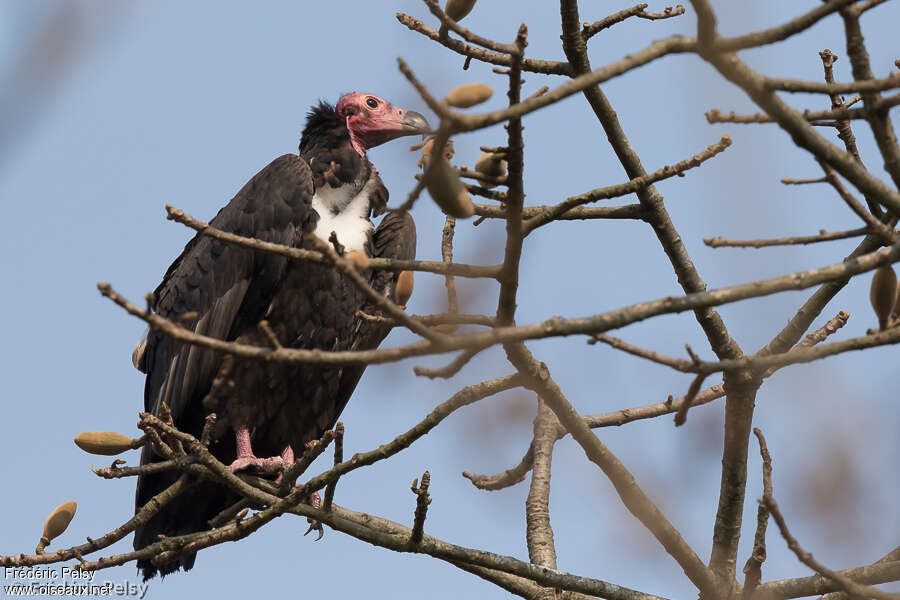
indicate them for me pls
(846, 583)
(824, 236)
(633, 497)
(539, 533)
(588, 31)
(753, 567)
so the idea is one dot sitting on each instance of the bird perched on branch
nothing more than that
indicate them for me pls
(269, 411)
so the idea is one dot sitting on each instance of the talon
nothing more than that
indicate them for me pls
(315, 501)
(313, 524)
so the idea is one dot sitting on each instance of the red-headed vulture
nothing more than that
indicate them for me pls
(223, 291)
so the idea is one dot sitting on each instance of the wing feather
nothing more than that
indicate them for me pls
(219, 290)
(228, 287)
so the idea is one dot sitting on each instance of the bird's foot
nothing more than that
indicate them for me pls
(315, 501)
(246, 459)
(263, 466)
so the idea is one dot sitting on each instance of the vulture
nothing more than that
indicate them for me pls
(269, 411)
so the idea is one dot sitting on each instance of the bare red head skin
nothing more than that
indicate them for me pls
(373, 121)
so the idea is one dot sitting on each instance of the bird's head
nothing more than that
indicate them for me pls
(372, 121)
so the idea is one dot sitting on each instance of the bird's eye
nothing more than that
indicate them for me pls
(372, 103)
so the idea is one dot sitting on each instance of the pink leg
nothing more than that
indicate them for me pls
(242, 438)
(246, 458)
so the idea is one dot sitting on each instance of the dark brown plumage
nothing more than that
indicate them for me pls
(275, 407)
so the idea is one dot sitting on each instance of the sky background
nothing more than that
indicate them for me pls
(109, 111)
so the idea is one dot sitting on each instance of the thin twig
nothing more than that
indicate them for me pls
(450, 369)
(506, 478)
(831, 88)
(844, 129)
(679, 364)
(693, 390)
(823, 236)
(791, 181)
(847, 584)
(822, 333)
(549, 67)
(876, 226)
(338, 459)
(423, 499)
(629, 211)
(459, 269)
(590, 30)
(229, 513)
(628, 187)
(717, 116)
(270, 334)
(753, 567)
(447, 257)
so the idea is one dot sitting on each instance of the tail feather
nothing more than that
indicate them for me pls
(189, 512)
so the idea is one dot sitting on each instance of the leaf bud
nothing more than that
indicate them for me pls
(106, 443)
(468, 95)
(56, 524)
(882, 293)
(458, 9)
(447, 190)
(404, 288)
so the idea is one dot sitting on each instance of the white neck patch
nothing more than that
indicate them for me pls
(352, 224)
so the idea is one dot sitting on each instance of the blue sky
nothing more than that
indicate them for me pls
(165, 102)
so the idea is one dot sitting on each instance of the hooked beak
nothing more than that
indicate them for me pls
(389, 125)
(413, 123)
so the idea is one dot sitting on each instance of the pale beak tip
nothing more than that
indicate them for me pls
(414, 123)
